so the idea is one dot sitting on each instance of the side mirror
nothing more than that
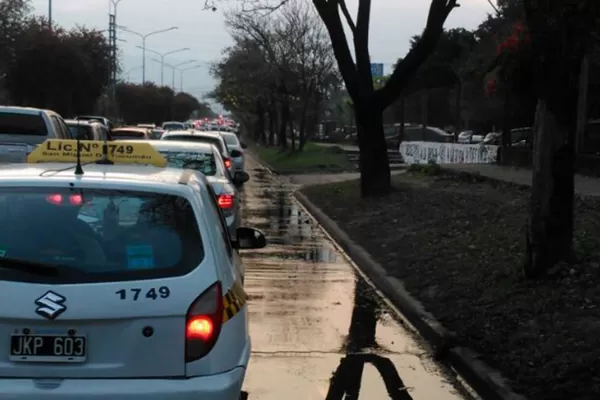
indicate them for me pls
(249, 238)
(235, 153)
(244, 145)
(241, 177)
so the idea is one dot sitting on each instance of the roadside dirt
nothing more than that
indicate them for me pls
(457, 243)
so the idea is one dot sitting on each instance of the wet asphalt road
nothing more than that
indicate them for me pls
(319, 331)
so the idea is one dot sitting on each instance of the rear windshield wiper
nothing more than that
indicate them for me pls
(37, 268)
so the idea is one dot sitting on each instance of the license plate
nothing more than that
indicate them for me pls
(48, 348)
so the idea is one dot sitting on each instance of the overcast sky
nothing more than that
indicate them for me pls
(393, 23)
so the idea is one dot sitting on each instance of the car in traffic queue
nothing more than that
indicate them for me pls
(174, 126)
(103, 120)
(205, 137)
(157, 133)
(147, 126)
(22, 129)
(206, 159)
(233, 143)
(131, 133)
(122, 279)
(88, 130)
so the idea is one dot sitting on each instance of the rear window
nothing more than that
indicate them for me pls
(127, 134)
(97, 235)
(201, 162)
(22, 124)
(197, 138)
(230, 140)
(172, 127)
(84, 130)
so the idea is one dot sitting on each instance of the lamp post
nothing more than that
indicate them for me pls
(144, 37)
(128, 73)
(162, 60)
(50, 13)
(181, 75)
(174, 67)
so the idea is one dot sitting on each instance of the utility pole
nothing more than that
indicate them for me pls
(50, 14)
(112, 41)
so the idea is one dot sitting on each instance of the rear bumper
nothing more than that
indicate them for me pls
(226, 386)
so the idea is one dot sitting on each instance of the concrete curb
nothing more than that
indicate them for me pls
(488, 383)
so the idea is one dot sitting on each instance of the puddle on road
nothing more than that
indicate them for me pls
(319, 331)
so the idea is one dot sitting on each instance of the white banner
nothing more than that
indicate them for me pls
(447, 153)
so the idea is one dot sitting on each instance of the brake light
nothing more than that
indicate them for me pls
(57, 199)
(226, 201)
(76, 199)
(227, 163)
(203, 324)
(200, 328)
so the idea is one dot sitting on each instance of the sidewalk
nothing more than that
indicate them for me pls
(584, 185)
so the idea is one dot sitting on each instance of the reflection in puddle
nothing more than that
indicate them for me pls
(285, 225)
(311, 316)
(346, 380)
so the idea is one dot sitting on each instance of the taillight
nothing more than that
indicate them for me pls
(203, 323)
(226, 202)
(58, 199)
(227, 163)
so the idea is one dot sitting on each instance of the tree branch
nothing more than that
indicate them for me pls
(349, 20)
(438, 13)
(361, 47)
(328, 12)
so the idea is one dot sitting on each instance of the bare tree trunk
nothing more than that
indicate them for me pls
(283, 123)
(458, 105)
(292, 126)
(550, 234)
(582, 104)
(506, 138)
(402, 120)
(424, 110)
(374, 163)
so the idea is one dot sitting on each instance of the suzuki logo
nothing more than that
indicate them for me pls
(50, 305)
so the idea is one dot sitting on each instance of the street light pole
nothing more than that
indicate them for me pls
(174, 67)
(181, 75)
(162, 60)
(50, 13)
(144, 37)
(128, 73)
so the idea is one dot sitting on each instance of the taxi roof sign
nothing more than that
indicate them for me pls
(62, 150)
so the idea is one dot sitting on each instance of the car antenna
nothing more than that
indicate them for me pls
(78, 167)
(104, 160)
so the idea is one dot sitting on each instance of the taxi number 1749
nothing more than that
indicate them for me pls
(153, 293)
(120, 149)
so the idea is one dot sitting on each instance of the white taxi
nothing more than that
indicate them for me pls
(121, 279)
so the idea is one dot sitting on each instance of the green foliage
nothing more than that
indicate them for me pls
(13, 14)
(430, 169)
(53, 68)
(153, 104)
(313, 157)
(444, 67)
